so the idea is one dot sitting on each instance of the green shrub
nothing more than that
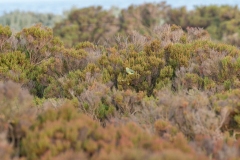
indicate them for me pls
(87, 24)
(220, 21)
(15, 66)
(5, 34)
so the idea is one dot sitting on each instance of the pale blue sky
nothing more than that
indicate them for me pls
(57, 6)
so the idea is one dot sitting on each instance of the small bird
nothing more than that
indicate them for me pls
(129, 71)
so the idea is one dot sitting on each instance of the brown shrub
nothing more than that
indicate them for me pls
(65, 131)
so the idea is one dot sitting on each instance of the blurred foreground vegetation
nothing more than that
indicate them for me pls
(107, 86)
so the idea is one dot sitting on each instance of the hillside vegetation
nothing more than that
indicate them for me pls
(143, 91)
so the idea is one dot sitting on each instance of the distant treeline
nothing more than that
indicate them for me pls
(98, 25)
(17, 20)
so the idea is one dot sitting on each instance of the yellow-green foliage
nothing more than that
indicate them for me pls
(5, 34)
(14, 66)
(36, 58)
(87, 24)
(85, 44)
(146, 66)
(178, 55)
(34, 40)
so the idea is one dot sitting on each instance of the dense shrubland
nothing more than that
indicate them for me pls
(221, 22)
(167, 92)
(97, 25)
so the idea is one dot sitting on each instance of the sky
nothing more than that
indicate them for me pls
(58, 6)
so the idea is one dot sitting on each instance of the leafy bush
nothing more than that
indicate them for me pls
(220, 21)
(88, 24)
(5, 34)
